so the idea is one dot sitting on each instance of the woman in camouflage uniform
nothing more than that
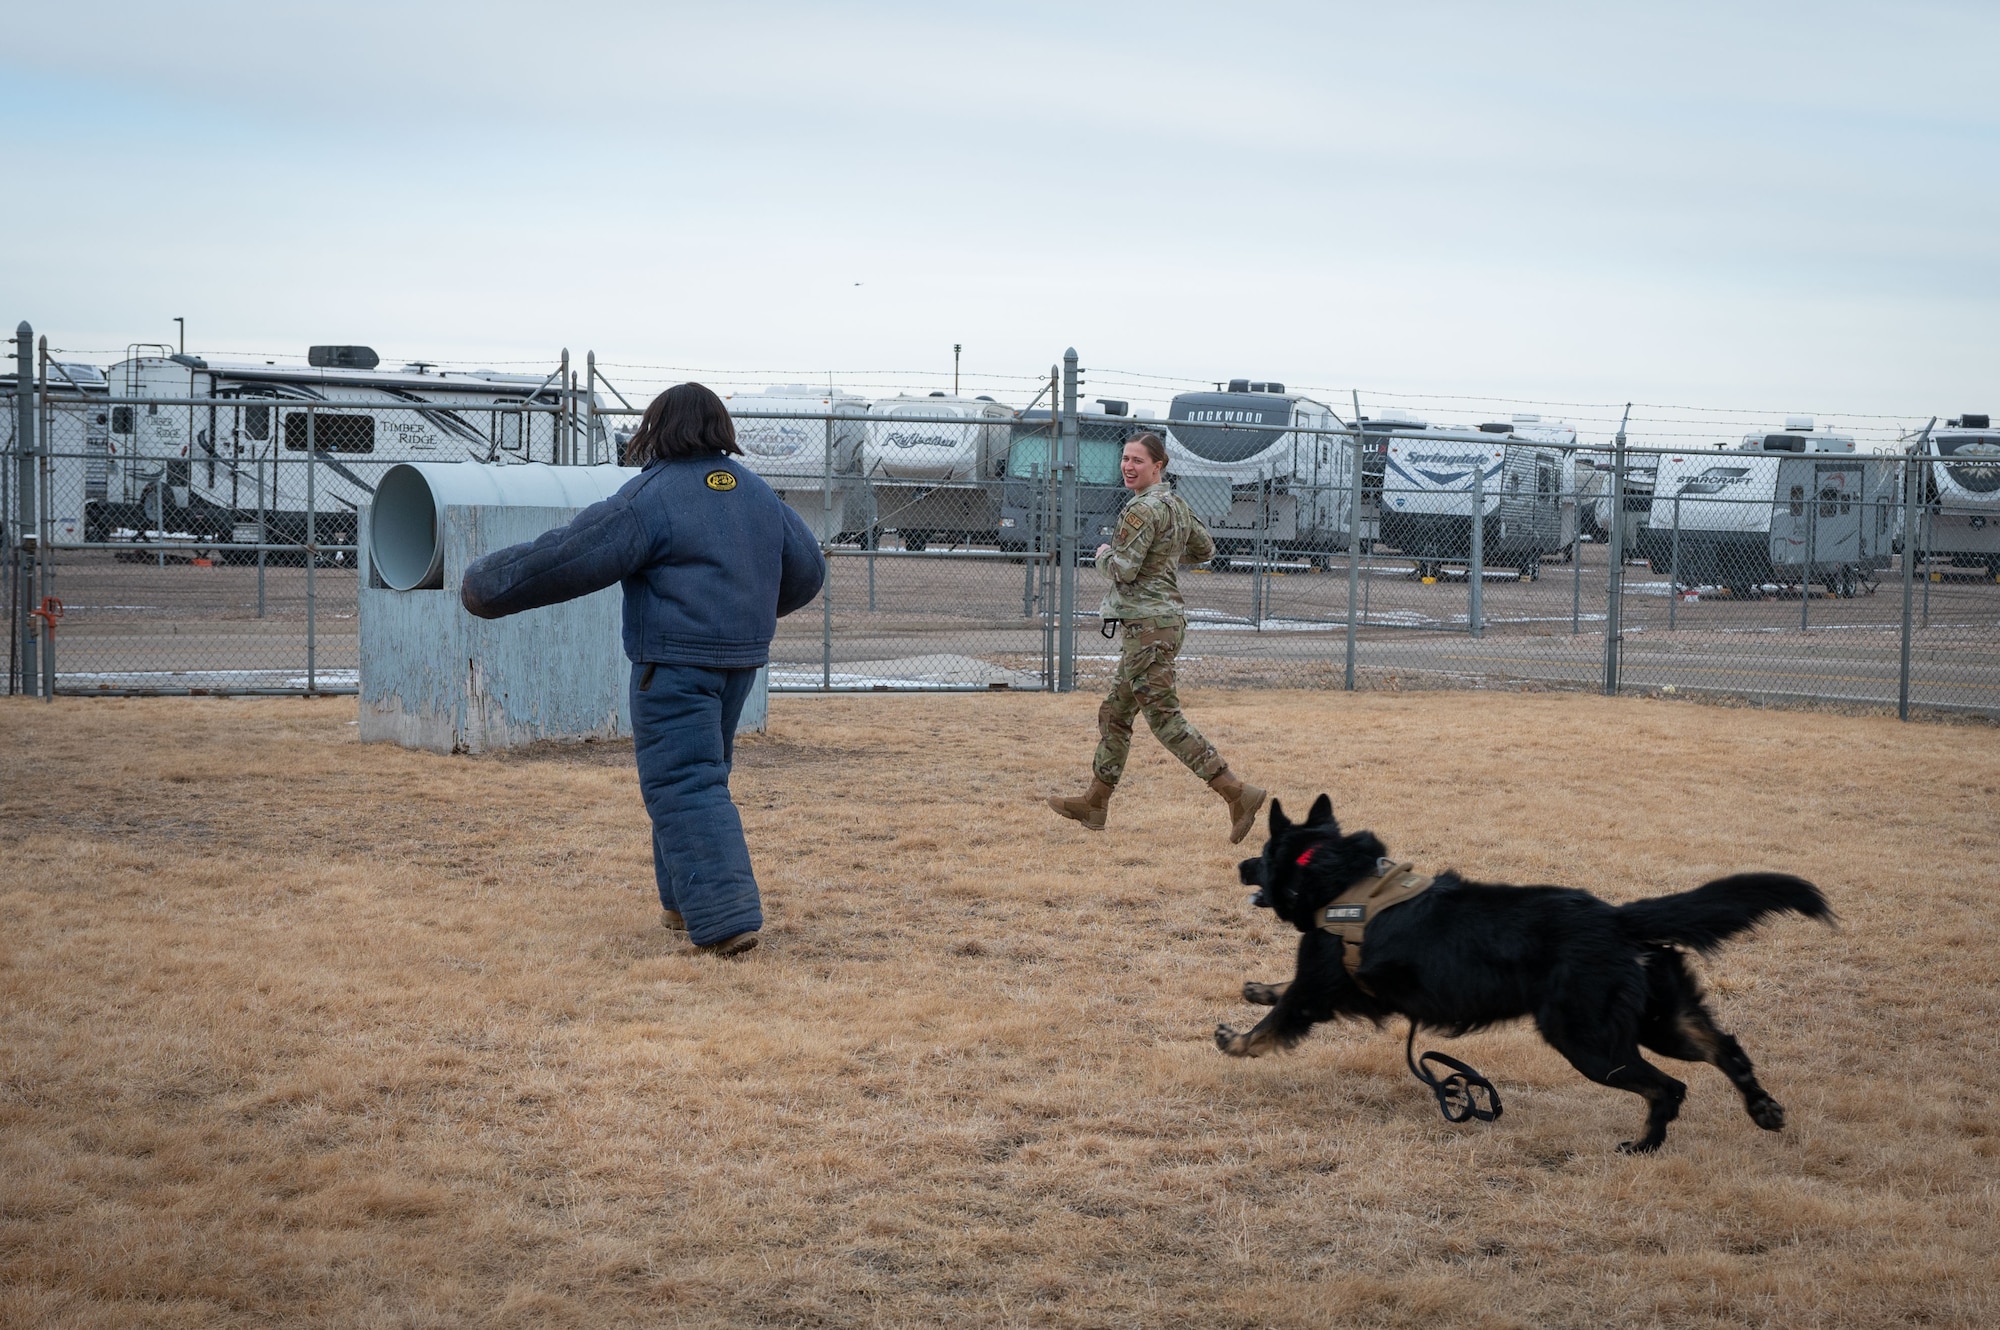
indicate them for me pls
(1156, 532)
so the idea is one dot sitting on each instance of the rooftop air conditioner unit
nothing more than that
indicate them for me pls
(342, 357)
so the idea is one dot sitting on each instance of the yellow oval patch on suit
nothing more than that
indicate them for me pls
(721, 480)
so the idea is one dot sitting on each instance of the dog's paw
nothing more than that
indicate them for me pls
(1639, 1147)
(1262, 995)
(1232, 1041)
(1767, 1113)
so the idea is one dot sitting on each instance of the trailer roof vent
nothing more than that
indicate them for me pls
(1527, 418)
(342, 357)
(1798, 422)
(1495, 427)
(1239, 385)
(941, 395)
(1113, 407)
(1267, 387)
(1975, 422)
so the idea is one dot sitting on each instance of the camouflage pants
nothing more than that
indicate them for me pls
(1146, 683)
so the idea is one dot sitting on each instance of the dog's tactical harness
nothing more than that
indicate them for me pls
(1458, 1094)
(1348, 913)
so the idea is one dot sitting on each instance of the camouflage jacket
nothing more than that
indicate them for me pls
(1156, 532)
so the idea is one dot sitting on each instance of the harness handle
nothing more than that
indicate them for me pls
(1458, 1094)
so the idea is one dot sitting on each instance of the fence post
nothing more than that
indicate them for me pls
(312, 556)
(559, 422)
(590, 409)
(1476, 603)
(272, 434)
(1575, 552)
(45, 506)
(1354, 540)
(1614, 585)
(825, 544)
(1911, 488)
(1066, 542)
(25, 527)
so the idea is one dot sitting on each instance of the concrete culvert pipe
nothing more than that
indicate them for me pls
(406, 524)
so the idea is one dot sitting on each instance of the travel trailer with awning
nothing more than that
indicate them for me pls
(931, 463)
(1961, 492)
(1523, 471)
(1260, 464)
(219, 450)
(1783, 507)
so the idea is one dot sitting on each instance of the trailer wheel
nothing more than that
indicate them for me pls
(913, 540)
(1532, 570)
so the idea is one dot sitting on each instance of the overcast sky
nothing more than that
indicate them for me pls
(1745, 206)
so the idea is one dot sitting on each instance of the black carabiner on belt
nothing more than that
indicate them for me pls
(1458, 1094)
(1109, 628)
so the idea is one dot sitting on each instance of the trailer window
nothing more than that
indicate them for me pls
(1029, 456)
(257, 421)
(1798, 501)
(121, 420)
(1828, 505)
(1097, 462)
(331, 433)
(507, 430)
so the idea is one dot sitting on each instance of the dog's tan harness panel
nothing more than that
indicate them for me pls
(1348, 913)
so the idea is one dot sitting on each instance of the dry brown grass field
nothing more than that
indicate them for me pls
(304, 1031)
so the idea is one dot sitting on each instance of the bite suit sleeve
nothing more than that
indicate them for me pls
(604, 544)
(804, 570)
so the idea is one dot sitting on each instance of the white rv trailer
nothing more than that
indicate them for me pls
(218, 450)
(795, 436)
(1524, 472)
(1961, 492)
(931, 477)
(1785, 506)
(1258, 463)
(74, 425)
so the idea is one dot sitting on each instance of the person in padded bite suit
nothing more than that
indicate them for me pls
(710, 558)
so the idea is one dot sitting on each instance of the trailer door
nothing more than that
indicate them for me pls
(1837, 519)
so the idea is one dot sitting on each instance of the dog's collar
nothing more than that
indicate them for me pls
(1348, 913)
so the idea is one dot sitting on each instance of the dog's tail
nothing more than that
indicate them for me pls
(1710, 915)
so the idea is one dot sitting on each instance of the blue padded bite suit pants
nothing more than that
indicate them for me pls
(684, 732)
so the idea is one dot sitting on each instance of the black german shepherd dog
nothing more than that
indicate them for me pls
(1599, 980)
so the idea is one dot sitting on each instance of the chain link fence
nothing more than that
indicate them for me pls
(207, 543)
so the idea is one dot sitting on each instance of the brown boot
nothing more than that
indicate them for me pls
(1243, 800)
(1089, 809)
(733, 945)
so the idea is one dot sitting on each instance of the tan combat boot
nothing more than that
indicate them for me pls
(1243, 800)
(1089, 809)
